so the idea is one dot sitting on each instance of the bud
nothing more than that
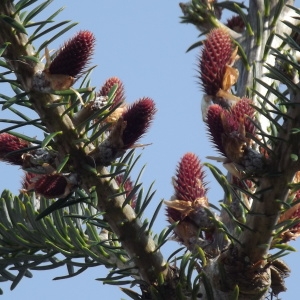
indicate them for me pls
(55, 185)
(200, 13)
(236, 23)
(9, 144)
(138, 118)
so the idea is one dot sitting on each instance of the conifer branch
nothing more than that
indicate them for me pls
(134, 238)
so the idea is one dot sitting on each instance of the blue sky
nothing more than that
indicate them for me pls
(144, 44)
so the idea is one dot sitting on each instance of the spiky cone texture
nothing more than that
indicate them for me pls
(74, 55)
(128, 186)
(188, 183)
(137, 117)
(236, 23)
(119, 97)
(10, 143)
(215, 63)
(126, 131)
(54, 186)
(228, 128)
(189, 201)
(107, 86)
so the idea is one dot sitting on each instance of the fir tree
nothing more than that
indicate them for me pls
(78, 199)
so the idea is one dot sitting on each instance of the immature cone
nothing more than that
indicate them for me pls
(55, 185)
(215, 66)
(74, 55)
(29, 180)
(119, 97)
(188, 183)
(244, 111)
(138, 117)
(125, 132)
(236, 23)
(228, 128)
(189, 201)
(10, 143)
(215, 126)
(120, 92)
(101, 100)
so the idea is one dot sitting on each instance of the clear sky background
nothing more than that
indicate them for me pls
(144, 44)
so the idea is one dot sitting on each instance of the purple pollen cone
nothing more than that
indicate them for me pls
(138, 118)
(74, 56)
